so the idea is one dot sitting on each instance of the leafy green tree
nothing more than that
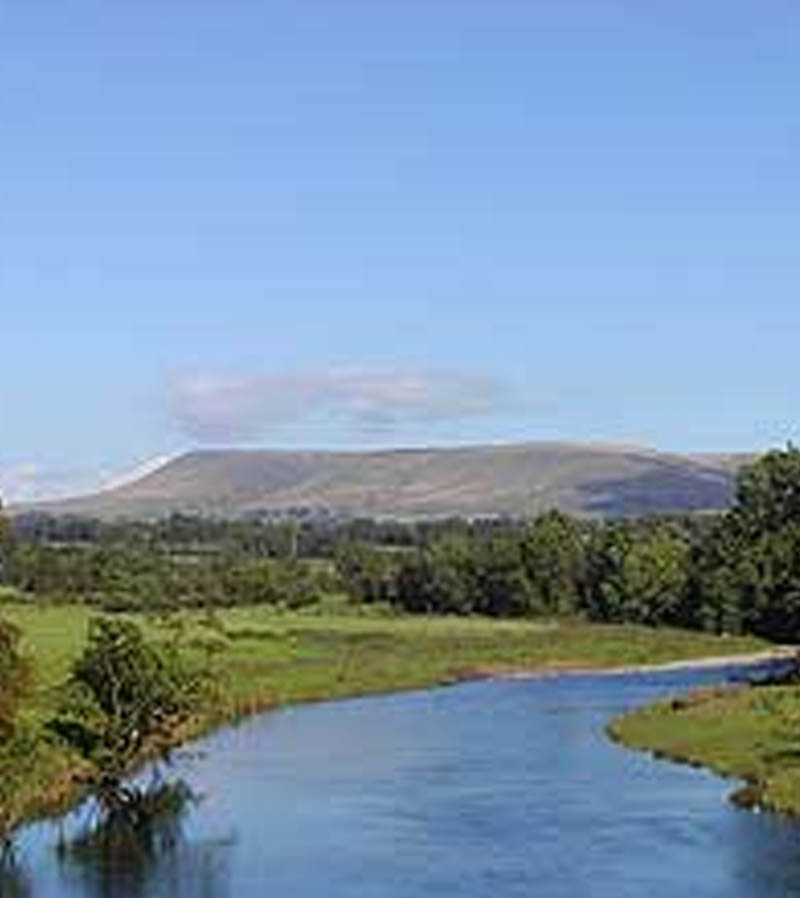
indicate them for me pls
(714, 587)
(751, 562)
(639, 572)
(607, 549)
(501, 585)
(768, 492)
(554, 561)
(654, 577)
(459, 574)
(367, 572)
(126, 695)
(439, 578)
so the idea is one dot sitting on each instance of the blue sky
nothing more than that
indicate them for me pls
(354, 223)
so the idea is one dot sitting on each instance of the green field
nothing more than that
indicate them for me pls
(265, 658)
(752, 734)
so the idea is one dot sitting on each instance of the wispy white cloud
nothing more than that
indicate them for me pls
(218, 407)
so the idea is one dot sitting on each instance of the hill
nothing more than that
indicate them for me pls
(520, 479)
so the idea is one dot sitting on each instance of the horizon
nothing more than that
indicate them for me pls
(416, 225)
(141, 471)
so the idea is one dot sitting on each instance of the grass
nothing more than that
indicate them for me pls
(751, 733)
(265, 658)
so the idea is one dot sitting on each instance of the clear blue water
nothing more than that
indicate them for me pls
(499, 788)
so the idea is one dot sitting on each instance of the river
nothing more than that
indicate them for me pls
(493, 789)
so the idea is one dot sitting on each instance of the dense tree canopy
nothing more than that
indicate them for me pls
(734, 572)
(749, 570)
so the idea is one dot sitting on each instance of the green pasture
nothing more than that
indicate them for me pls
(263, 658)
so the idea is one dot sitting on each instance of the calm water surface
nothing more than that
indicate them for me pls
(505, 788)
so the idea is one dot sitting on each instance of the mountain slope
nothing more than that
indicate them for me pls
(517, 479)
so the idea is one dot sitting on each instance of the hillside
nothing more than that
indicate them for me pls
(477, 480)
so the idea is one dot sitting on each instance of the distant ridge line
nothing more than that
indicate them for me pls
(516, 479)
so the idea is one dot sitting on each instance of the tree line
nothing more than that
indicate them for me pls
(738, 571)
(131, 578)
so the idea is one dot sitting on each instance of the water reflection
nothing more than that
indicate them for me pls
(507, 789)
(184, 871)
(120, 849)
(14, 882)
(139, 854)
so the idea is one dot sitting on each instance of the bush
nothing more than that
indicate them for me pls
(15, 677)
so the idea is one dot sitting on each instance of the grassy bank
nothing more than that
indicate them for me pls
(750, 733)
(264, 658)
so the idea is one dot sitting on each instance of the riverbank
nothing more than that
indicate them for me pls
(557, 669)
(264, 659)
(749, 733)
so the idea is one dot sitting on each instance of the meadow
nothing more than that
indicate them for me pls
(262, 658)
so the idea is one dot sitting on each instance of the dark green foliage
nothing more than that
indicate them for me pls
(15, 677)
(768, 492)
(125, 695)
(465, 575)
(133, 578)
(367, 572)
(735, 572)
(501, 584)
(440, 578)
(126, 699)
(554, 557)
(639, 572)
(749, 569)
(628, 571)
(15, 746)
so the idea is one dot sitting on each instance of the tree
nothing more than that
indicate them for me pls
(441, 578)
(554, 562)
(752, 560)
(654, 577)
(638, 571)
(125, 695)
(607, 549)
(367, 572)
(768, 492)
(502, 588)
